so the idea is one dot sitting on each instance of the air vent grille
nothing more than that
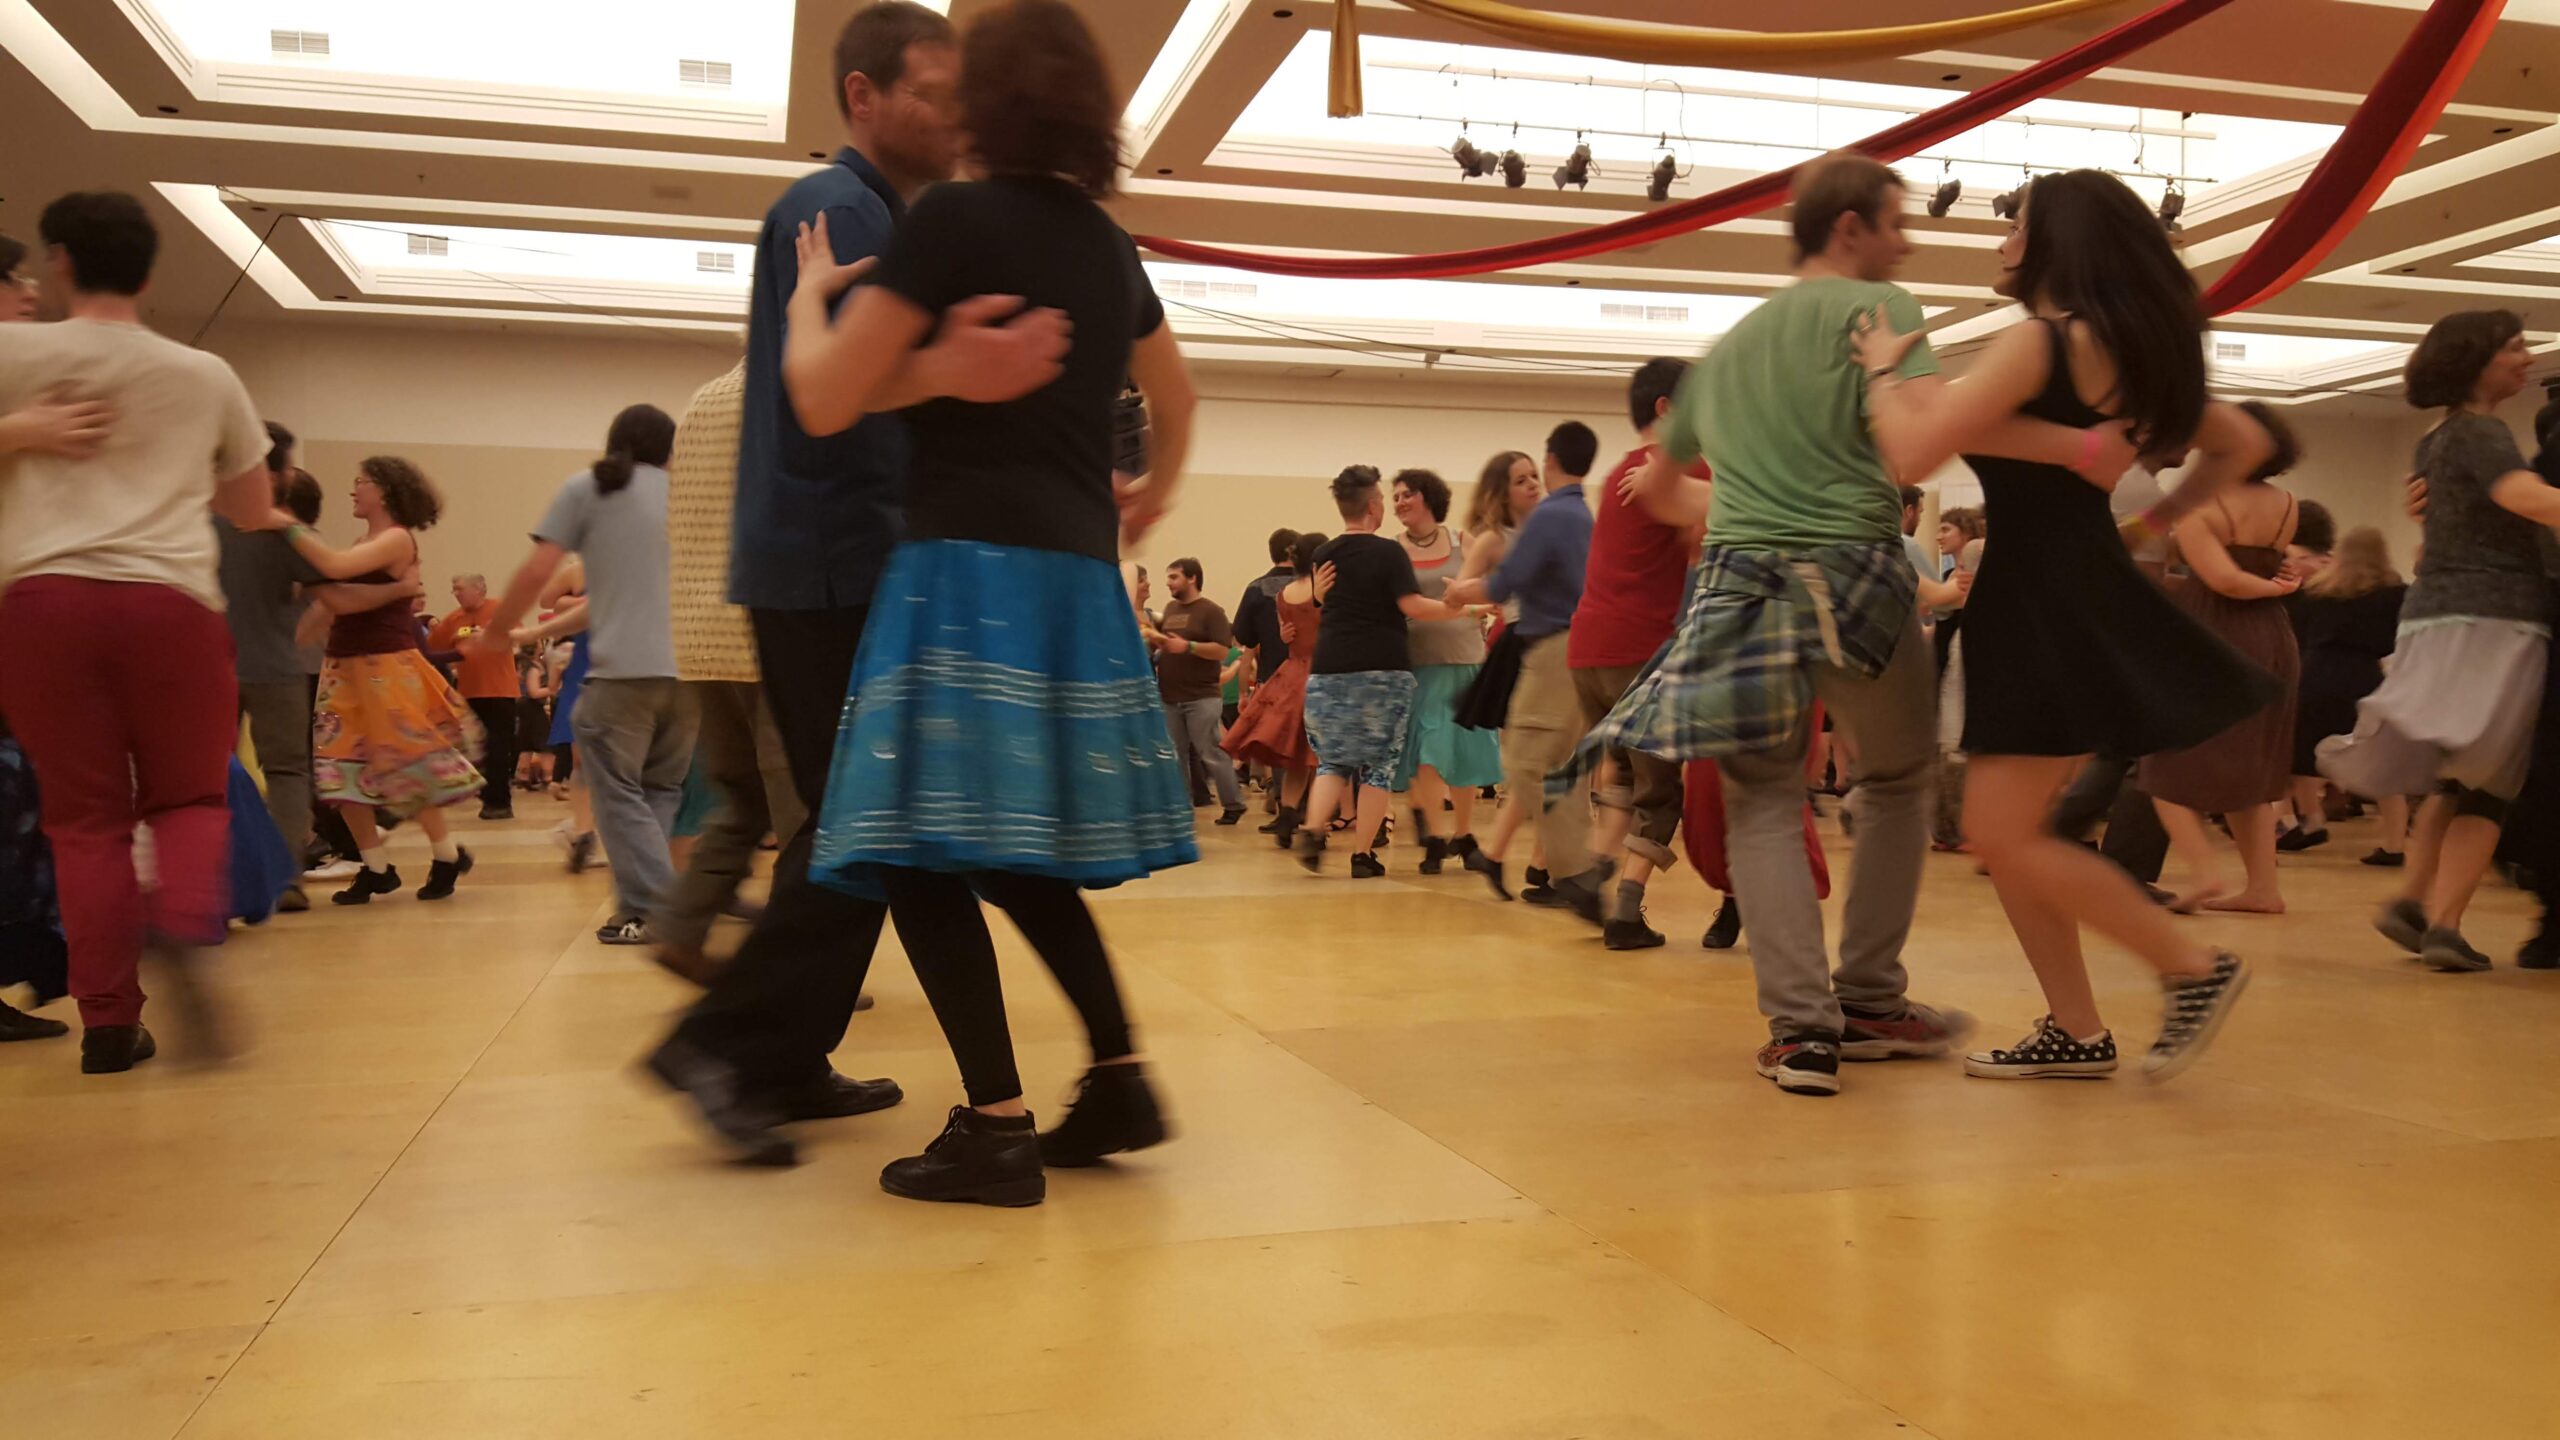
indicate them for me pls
(305, 43)
(711, 74)
(1649, 314)
(715, 262)
(2230, 350)
(430, 245)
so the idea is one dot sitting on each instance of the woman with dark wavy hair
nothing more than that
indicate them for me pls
(1004, 738)
(2070, 651)
(389, 732)
(2456, 710)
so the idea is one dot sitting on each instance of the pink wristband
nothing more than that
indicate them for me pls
(2090, 444)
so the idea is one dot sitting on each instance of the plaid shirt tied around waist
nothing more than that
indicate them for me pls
(1733, 680)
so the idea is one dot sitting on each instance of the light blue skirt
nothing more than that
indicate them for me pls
(1462, 757)
(1002, 716)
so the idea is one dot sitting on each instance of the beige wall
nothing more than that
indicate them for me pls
(500, 420)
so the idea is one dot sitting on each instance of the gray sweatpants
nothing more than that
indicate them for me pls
(1893, 719)
(635, 743)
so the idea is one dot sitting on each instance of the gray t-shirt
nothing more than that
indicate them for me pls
(623, 539)
(259, 572)
(2480, 559)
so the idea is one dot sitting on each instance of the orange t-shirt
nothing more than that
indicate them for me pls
(478, 677)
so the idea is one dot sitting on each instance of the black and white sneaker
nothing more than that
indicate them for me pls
(625, 930)
(2048, 1053)
(1803, 1064)
(2192, 1014)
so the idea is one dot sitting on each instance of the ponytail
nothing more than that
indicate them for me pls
(641, 435)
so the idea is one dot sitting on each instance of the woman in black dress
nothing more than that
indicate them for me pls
(2070, 650)
(2348, 618)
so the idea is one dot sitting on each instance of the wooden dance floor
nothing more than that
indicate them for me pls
(1448, 1169)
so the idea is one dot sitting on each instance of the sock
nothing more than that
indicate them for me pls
(1630, 901)
(2092, 1041)
(376, 859)
(448, 849)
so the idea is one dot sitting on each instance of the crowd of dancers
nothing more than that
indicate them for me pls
(866, 597)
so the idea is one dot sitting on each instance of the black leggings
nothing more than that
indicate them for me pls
(945, 935)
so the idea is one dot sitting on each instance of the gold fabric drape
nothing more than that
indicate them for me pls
(1666, 45)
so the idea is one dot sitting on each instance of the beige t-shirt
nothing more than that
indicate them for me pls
(138, 510)
(713, 641)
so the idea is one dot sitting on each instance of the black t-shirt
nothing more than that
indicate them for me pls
(1363, 629)
(1258, 621)
(1033, 472)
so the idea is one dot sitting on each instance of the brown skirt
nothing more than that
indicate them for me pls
(2252, 762)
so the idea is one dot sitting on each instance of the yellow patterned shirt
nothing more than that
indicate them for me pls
(712, 638)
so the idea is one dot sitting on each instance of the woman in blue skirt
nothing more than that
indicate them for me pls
(1003, 738)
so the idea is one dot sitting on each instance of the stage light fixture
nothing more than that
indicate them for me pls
(1665, 170)
(1472, 162)
(1576, 170)
(2005, 204)
(1945, 199)
(1515, 171)
(2172, 205)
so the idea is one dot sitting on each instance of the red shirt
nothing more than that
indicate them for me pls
(1635, 581)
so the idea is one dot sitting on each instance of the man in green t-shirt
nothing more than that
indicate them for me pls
(1806, 595)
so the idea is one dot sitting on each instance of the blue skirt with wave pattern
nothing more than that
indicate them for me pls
(1003, 716)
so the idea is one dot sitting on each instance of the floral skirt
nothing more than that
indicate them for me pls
(389, 732)
(1002, 716)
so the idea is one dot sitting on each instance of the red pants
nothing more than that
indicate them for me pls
(124, 699)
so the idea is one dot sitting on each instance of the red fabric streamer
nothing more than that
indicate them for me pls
(2369, 154)
(1734, 202)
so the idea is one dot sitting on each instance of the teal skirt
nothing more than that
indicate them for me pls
(1003, 716)
(1464, 758)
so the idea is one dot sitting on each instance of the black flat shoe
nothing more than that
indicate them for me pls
(442, 874)
(1365, 866)
(1231, 817)
(1434, 851)
(367, 884)
(739, 1121)
(1115, 1112)
(114, 1049)
(1726, 932)
(977, 1159)
(1310, 851)
(2382, 859)
(17, 1024)
(838, 1097)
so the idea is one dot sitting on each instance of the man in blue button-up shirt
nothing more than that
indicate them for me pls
(815, 520)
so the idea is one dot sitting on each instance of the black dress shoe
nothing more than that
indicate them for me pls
(442, 874)
(17, 1024)
(496, 812)
(1310, 851)
(742, 1122)
(1435, 851)
(1631, 935)
(1581, 893)
(1726, 932)
(977, 1159)
(1115, 1112)
(1231, 815)
(367, 884)
(837, 1097)
(1536, 879)
(1365, 866)
(114, 1049)
(1491, 870)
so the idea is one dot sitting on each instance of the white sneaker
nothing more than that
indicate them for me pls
(334, 870)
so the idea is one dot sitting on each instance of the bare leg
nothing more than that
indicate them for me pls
(360, 826)
(431, 823)
(1374, 803)
(1462, 810)
(1323, 798)
(2426, 846)
(1506, 823)
(2206, 879)
(2006, 800)
(2310, 808)
(2395, 823)
(1428, 791)
(2470, 842)
(2255, 830)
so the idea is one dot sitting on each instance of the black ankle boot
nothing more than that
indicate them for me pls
(1727, 931)
(980, 1159)
(1309, 847)
(367, 884)
(1367, 866)
(1285, 829)
(113, 1049)
(1434, 851)
(1115, 1112)
(442, 874)
(17, 1024)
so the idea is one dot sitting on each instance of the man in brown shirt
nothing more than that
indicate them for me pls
(1192, 641)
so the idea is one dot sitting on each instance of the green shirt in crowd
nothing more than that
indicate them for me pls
(1779, 409)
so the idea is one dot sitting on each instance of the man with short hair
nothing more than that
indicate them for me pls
(1543, 567)
(1191, 641)
(815, 520)
(1258, 630)
(486, 678)
(115, 665)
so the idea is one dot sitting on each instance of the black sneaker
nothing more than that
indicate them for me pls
(1631, 935)
(1435, 851)
(1232, 815)
(17, 1024)
(2299, 839)
(1310, 852)
(2193, 1014)
(980, 1159)
(582, 853)
(2446, 950)
(1114, 1113)
(2048, 1053)
(625, 930)
(1803, 1064)
(114, 1049)
(442, 874)
(1726, 932)
(367, 884)
(2382, 859)
(2404, 923)
(1366, 866)
(497, 812)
